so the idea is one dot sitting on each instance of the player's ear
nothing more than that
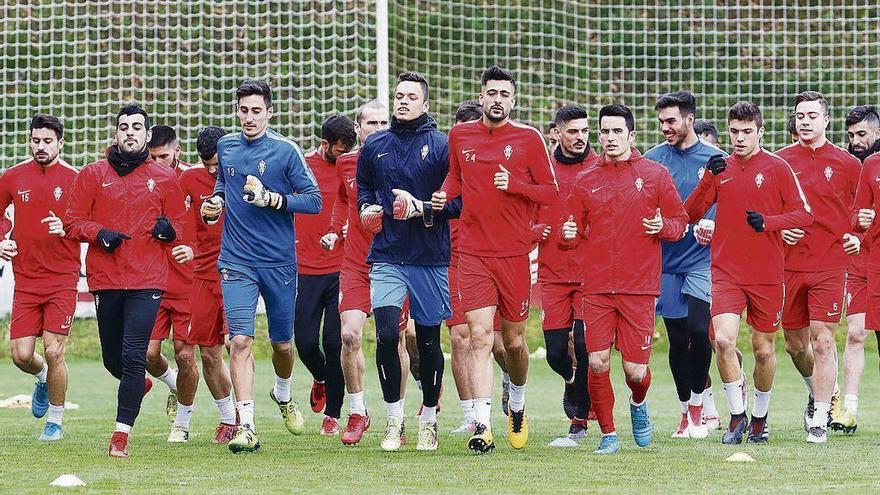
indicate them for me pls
(632, 137)
(513, 102)
(426, 106)
(149, 137)
(60, 143)
(270, 111)
(760, 132)
(555, 133)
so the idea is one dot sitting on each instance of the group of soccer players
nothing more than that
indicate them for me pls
(417, 228)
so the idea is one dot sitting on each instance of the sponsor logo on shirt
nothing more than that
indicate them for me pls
(105, 184)
(828, 172)
(470, 155)
(724, 181)
(351, 183)
(57, 192)
(25, 195)
(759, 179)
(380, 155)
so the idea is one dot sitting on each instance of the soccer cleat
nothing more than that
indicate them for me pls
(608, 445)
(576, 432)
(505, 395)
(330, 426)
(428, 439)
(51, 432)
(355, 427)
(735, 430)
(482, 441)
(224, 433)
(682, 430)
(403, 432)
(817, 434)
(517, 429)
(40, 399)
(244, 440)
(758, 432)
(569, 404)
(712, 422)
(466, 427)
(642, 426)
(696, 428)
(845, 422)
(808, 412)
(421, 409)
(318, 397)
(393, 433)
(178, 434)
(835, 409)
(171, 405)
(118, 445)
(293, 419)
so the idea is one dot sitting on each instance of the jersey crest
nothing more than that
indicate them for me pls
(828, 172)
(261, 167)
(57, 192)
(759, 179)
(424, 151)
(508, 150)
(151, 184)
(639, 183)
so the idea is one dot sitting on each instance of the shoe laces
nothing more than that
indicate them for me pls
(640, 417)
(516, 418)
(607, 441)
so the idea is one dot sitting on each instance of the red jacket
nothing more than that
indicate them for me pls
(180, 275)
(498, 223)
(612, 199)
(765, 184)
(829, 176)
(130, 205)
(868, 196)
(311, 258)
(45, 261)
(345, 209)
(198, 185)
(556, 264)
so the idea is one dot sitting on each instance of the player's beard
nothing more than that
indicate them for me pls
(495, 118)
(44, 159)
(863, 154)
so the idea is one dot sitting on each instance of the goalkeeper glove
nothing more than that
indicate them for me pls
(405, 205)
(163, 230)
(256, 194)
(371, 218)
(110, 240)
(211, 210)
(756, 220)
(703, 231)
(716, 164)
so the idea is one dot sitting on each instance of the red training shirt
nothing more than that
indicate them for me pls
(311, 258)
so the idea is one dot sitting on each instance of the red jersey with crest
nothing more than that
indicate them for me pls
(311, 258)
(868, 196)
(345, 209)
(198, 185)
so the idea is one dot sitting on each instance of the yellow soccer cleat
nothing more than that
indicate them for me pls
(481, 442)
(171, 406)
(517, 429)
(244, 440)
(836, 409)
(846, 422)
(293, 419)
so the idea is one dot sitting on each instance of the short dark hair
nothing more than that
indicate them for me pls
(551, 125)
(337, 127)
(45, 121)
(569, 112)
(792, 124)
(811, 96)
(415, 77)
(206, 143)
(359, 113)
(703, 126)
(496, 73)
(133, 109)
(863, 113)
(684, 100)
(163, 135)
(252, 87)
(746, 111)
(468, 110)
(618, 111)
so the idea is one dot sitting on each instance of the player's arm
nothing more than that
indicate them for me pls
(339, 214)
(80, 227)
(795, 209)
(675, 218)
(451, 187)
(702, 198)
(306, 197)
(541, 228)
(543, 189)
(8, 247)
(862, 215)
(577, 218)
(212, 208)
(371, 212)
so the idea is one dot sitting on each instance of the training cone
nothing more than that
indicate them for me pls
(67, 480)
(739, 457)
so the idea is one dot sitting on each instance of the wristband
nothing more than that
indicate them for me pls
(427, 214)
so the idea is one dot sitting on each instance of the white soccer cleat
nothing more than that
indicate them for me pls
(682, 430)
(696, 428)
(178, 434)
(393, 434)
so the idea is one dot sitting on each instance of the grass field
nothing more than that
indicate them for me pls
(315, 464)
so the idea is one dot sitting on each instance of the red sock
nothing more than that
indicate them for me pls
(602, 399)
(640, 390)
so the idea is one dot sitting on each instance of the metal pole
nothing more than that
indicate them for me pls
(382, 51)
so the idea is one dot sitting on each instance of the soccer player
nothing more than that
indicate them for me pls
(208, 323)
(552, 139)
(263, 179)
(757, 195)
(863, 129)
(685, 284)
(502, 172)
(816, 258)
(410, 251)
(319, 255)
(706, 130)
(130, 210)
(559, 273)
(45, 262)
(622, 263)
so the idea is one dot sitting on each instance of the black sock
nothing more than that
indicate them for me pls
(430, 363)
(700, 351)
(558, 358)
(387, 358)
(582, 358)
(677, 331)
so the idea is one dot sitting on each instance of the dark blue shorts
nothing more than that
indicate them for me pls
(427, 286)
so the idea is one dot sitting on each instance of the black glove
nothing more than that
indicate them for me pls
(716, 164)
(110, 239)
(756, 220)
(163, 231)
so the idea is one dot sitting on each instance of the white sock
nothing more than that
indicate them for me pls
(429, 414)
(395, 409)
(183, 415)
(356, 403)
(851, 402)
(709, 408)
(505, 377)
(684, 407)
(227, 410)
(403, 403)
(808, 381)
(124, 428)
(55, 414)
(282, 389)
(820, 417)
(517, 397)
(483, 411)
(696, 399)
(169, 378)
(246, 413)
(734, 391)
(467, 410)
(41, 375)
(762, 403)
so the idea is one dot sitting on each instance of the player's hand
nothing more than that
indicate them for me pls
(502, 178)
(866, 217)
(716, 164)
(569, 229)
(8, 249)
(211, 210)
(182, 253)
(163, 230)
(56, 226)
(792, 236)
(438, 200)
(851, 244)
(371, 218)
(405, 205)
(653, 225)
(345, 229)
(255, 193)
(703, 231)
(756, 220)
(328, 242)
(110, 239)
(546, 233)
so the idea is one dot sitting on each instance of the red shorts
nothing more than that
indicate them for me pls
(624, 319)
(872, 313)
(502, 282)
(172, 312)
(762, 302)
(208, 322)
(354, 293)
(856, 294)
(812, 296)
(457, 317)
(34, 312)
(561, 304)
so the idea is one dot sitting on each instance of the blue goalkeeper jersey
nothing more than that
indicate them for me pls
(687, 167)
(263, 237)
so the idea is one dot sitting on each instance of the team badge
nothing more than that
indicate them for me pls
(828, 173)
(639, 183)
(225, 274)
(424, 151)
(57, 192)
(470, 154)
(188, 202)
(508, 150)
(261, 167)
(700, 172)
(759, 179)
(151, 184)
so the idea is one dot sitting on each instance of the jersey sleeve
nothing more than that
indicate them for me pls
(80, 227)
(220, 184)
(174, 209)
(305, 197)
(702, 198)
(543, 189)
(5, 201)
(452, 184)
(577, 210)
(366, 182)
(864, 198)
(339, 214)
(675, 218)
(795, 209)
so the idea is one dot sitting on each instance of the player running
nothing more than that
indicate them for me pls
(263, 179)
(757, 195)
(45, 262)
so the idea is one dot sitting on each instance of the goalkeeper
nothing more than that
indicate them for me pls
(263, 180)
(397, 171)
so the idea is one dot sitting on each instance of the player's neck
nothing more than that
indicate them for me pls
(621, 158)
(750, 155)
(688, 141)
(495, 125)
(258, 136)
(816, 144)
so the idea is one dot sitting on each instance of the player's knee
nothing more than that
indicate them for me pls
(351, 339)
(796, 346)
(823, 342)
(185, 356)
(764, 354)
(599, 362)
(55, 353)
(856, 338)
(210, 360)
(282, 347)
(460, 343)
(635, 374)
(239, 347)
(724, 344)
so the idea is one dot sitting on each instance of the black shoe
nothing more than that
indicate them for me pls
(735, 430)
(758, 432)
(808, 412)
(569, 404)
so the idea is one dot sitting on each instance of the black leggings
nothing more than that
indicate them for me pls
(690, 352)
(559, 359)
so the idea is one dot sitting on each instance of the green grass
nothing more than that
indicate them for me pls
(314, 464)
